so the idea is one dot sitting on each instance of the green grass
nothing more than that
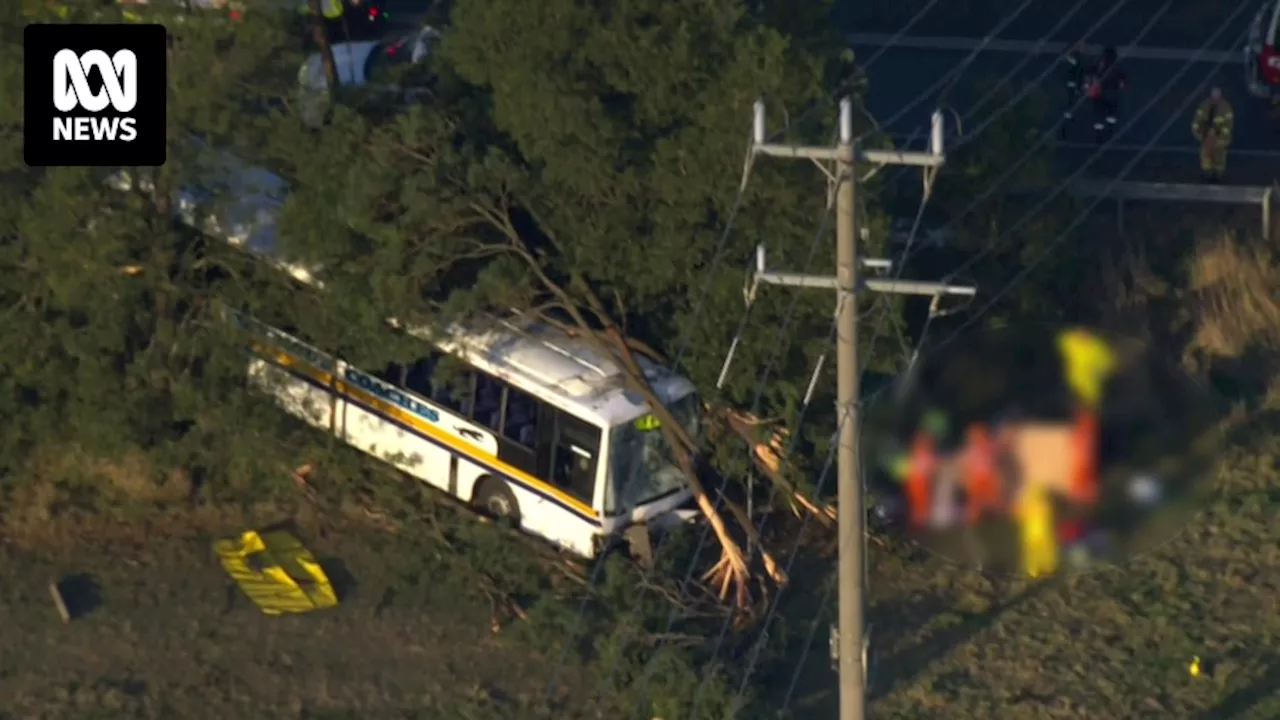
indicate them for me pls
(172, 637)
(413, 637)
(441, 616)
(1114, 643)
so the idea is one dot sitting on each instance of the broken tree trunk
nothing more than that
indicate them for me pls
(768, 452)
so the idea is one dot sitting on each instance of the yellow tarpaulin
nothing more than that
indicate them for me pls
(276, 571)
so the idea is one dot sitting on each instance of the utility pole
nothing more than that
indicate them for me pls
(851, 515)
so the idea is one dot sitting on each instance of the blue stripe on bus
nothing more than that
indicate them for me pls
(313, 382)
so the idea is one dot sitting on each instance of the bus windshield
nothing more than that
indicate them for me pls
(642, 464)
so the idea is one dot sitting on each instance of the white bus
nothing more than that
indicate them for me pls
(531, 424)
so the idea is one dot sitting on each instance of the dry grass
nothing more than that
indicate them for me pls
(1234, 285)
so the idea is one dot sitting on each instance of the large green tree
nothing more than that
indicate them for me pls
(115, 347)
(582, 163)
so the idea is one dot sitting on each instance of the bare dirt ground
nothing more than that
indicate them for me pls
(165, 634)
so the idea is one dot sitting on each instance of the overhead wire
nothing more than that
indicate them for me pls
(860, 68)
(780, 340)
(722, 242)
(953, 76)
(885, 312)
(717, 254)
(682, 347)
(1005, 289)
(718, 250)
(1031, 152)
(964, 138)
(1110, 185)
(1065, 184)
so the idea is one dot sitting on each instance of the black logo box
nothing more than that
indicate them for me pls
(149, 45)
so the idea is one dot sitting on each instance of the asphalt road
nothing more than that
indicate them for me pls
(943, 37)
(1183, 25)
(1157, 107)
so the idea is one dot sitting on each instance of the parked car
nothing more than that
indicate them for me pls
(376, 64)
(1262, 54)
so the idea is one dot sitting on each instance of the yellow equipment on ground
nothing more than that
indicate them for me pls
(276, 571)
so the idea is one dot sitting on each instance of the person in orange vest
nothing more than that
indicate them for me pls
(922, 466)
(981, 479)
(1084, 464)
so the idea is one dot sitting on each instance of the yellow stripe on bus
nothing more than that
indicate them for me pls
(460, 446)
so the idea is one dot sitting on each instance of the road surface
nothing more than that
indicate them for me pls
(901, 74)
(1182, 26)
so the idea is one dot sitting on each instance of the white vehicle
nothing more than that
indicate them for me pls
(374, 63)
(1262, 54)
(533, 425)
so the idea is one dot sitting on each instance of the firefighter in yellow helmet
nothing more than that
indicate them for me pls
(1212, 128)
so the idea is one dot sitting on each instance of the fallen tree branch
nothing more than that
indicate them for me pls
(769, 455)
(612, 340)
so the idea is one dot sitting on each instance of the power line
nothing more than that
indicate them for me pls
(1032, 151)
(715, 260)
(716, 256)
(847, 283)
(1012, 102)
(912, 236)
(1080, 217)
(717, 253)
(1005, 289)
(1030, 87)
(860, 68)
(953, 76)
(779, 339)
(795, 434)
(1065, 184)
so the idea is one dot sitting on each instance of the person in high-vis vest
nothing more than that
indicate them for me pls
(983, 488)
(1037, 532)
(1212, 128)
(923, 463)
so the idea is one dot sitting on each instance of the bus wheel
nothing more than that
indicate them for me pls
(493, 498)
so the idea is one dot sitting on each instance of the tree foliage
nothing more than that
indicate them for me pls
(582, 163)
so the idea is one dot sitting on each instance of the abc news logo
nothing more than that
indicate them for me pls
(71, 90)
(95, 95)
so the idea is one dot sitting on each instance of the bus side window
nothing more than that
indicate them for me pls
(520, 422)
(573, 467)
(488, 405)
(453, 385)
(392, 373)
(418, 379)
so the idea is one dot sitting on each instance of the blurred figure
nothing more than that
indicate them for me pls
(1018, 469)
(1075, 82)
(1039, 542)
(1106, 82)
